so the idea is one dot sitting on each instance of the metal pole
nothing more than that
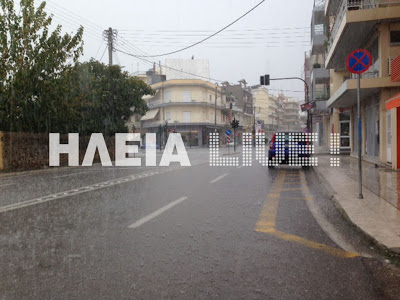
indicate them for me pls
(360, 196)
(215, 110)
(254, 124)
(234, 139)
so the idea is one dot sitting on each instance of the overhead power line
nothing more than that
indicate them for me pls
(92, 28)
(103, 53)
(210, 31)
(196, 75)
(201, 41)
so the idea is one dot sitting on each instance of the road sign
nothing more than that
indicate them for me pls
(308, 106)
(358, 61)
(258, 128)
(228, 132)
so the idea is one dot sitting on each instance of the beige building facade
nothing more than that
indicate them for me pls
(374, 26)
(192, 107)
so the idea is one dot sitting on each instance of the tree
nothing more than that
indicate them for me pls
(35, 67)
(106, 97)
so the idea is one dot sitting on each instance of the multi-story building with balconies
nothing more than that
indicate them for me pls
(319, 76)
(193, 108)
(265, 109)
(291, 119)
(373, 25)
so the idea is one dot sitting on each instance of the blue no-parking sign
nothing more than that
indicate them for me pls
(358, 61)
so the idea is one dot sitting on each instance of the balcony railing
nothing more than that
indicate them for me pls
(373, 71)
(347, 5)
(321, 95)
(156, 103)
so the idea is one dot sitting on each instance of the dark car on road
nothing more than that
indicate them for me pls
(292, 148)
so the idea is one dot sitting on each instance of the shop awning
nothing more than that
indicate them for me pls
(393, 102)
(150, 115)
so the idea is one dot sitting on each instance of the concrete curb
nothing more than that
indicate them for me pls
(330, 192)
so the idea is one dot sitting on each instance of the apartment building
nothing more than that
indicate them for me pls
(194, 108)
(372, 25)
(291, 119)
(242, 94)
(317, 76)
(265, 105)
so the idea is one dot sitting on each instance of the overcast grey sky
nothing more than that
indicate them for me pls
(270, 40)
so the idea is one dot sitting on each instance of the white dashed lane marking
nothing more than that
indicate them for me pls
(156, 213)
(88, 188)
(6, 184)
(219, 178)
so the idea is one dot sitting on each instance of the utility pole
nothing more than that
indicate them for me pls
(110, 35)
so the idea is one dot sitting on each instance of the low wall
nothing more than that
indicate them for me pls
(27, 151)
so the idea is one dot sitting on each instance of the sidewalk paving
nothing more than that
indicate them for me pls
(378, 214)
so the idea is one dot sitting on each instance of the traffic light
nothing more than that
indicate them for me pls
(264, 80)
(235, 123)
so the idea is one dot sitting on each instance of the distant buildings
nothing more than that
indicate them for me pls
(277, 113)
(195, 107)
(192, 69)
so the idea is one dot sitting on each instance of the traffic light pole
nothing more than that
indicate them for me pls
(234, 139)
(234, 124)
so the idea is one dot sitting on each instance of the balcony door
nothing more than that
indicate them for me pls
(344, 130)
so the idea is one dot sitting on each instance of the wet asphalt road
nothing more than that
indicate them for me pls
(198, 232)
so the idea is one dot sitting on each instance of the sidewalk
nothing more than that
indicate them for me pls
(378, 214)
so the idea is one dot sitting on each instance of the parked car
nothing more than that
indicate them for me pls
(284, 145)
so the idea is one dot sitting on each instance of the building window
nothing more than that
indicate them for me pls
(395, 37)
(211, 116)
(168, 116)
(168, 96)
(204, 116)
(210, 97)
(187, 96)
(186, 116)
(319, 29)
(203, 95)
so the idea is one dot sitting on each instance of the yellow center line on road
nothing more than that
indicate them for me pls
(294, 189)
(293, 198)
(267, 219)
(268, 214)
